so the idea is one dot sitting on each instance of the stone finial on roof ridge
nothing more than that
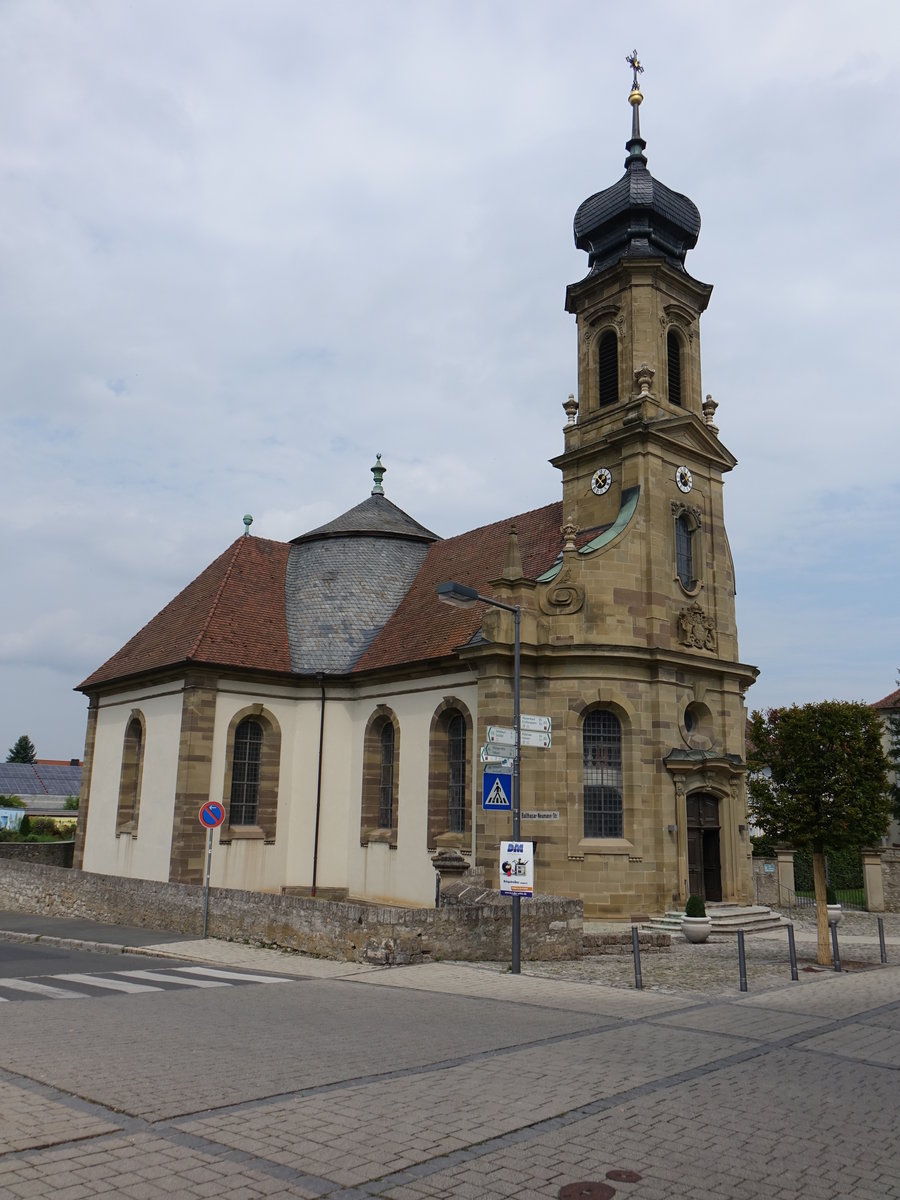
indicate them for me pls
(512, 563)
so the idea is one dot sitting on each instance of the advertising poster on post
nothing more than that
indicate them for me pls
(517, 868)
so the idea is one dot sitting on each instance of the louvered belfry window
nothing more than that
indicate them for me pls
(244, 806)
(608, 368)
(602, 746)
(673, 356)
(456, 757)
(386, 789)
(684, 551)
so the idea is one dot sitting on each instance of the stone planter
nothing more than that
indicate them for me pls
(696, 929)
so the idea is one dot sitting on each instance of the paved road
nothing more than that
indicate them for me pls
(452, 1081)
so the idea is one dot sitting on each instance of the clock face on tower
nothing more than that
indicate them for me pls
(684, 479)
(601, 481)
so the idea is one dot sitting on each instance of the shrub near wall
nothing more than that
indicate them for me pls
(551, 926)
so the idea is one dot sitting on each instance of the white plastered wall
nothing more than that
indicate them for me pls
(405, 874)
(145, 856)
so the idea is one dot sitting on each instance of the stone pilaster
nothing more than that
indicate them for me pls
(85, 797)
(192, 789)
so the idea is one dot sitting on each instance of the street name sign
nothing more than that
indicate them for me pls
(552, 815)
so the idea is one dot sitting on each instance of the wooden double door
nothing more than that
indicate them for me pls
(703, 845)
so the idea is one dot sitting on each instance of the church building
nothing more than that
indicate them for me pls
(319, 692)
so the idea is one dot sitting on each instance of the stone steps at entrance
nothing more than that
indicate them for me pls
(726, 918)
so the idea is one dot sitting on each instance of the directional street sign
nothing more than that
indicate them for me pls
(534, 724)
(497, 792)
(498, 756)
(501, 735)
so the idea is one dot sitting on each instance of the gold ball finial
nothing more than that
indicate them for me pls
(635, 97)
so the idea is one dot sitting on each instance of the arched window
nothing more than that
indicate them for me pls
(128, 808)
(608, 369)
(245, 767)
(602, 752)
(386, 791)
(684, 551)
(456, 783)
(449, 775)
(380, 791)
(673, 373)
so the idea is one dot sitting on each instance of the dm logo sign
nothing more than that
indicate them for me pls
(496, 792)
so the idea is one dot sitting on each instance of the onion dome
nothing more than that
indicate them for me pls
(638, 217)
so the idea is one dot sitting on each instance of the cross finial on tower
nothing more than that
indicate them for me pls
(634, 63)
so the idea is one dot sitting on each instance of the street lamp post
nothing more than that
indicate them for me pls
(462, 596)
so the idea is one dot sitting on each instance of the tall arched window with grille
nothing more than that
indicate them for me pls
(673, 366)
(131, 775)
(386, 787)
(456, 774)
(602, 753)
(608, 369)
(245, 765)
(684, 551)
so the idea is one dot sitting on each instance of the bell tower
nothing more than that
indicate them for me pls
(640, 605)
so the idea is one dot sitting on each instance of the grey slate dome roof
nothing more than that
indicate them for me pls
(346, 578)
(638, 217)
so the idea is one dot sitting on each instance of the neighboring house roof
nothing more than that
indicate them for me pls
(40, 779)
(356, 594)
(890, 701)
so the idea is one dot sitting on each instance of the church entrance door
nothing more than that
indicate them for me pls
(704, 857)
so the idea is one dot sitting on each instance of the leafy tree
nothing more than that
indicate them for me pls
(819, 779)
(23, 751)
(892, 721)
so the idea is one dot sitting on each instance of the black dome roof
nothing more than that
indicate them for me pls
(638, 217)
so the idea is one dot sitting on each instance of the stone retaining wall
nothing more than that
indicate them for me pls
(890, 867)
(621, 943)
(552, 927)
(55, 854)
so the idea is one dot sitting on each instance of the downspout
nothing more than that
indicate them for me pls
(320, 679)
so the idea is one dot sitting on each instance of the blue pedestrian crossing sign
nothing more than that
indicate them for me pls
(496, 792)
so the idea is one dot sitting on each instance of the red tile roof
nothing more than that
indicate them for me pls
(422, 628)
(891, 701)
(233, 614)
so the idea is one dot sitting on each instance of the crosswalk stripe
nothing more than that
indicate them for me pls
(42, 989)
(159, 977)
(235, 975)
(112, 985)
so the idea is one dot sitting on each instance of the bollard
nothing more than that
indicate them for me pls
(881, 944)
(792, 952)
(742, 960)
(834, 945)
(636, 951)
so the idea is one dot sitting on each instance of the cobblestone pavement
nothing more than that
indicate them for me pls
(452, 1080)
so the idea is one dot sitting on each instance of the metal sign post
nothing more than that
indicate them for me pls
(211, 815)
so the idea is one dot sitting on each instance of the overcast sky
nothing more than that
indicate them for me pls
(245, 246)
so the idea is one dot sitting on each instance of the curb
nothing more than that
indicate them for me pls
(64, 943)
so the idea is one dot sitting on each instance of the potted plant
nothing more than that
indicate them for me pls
(696, 925)
(835, 912)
